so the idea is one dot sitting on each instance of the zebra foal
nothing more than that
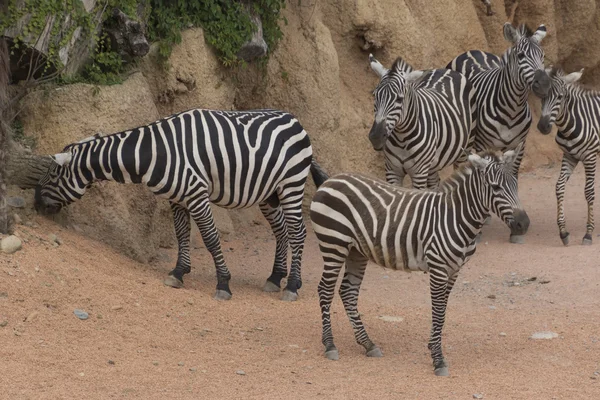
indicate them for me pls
(357, 219)
(423, 121)
(575, 111)
(234, 159)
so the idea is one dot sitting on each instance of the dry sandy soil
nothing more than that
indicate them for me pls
(145, 340)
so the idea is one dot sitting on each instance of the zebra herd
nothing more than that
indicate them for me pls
(424, 121)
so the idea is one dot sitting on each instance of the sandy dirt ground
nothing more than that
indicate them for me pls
(144, 340)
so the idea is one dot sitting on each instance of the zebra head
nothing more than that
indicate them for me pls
(60, 186)
(499, 193)
(552, 103)
(389, 98)
(526, 57)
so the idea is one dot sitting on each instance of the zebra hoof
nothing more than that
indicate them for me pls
(222, 295)
(565, 238)
(332, 354)
(517, 239)
(270, 287)
(587, 240)
(441, 371)
(173, 282)
(289, 296)
(375, 352)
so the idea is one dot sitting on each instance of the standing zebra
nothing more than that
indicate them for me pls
(423, 121)
(357, 219)
(502, 86)
(576, 112)
(234, 159)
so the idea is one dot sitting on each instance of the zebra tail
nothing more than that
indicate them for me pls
(317, 173)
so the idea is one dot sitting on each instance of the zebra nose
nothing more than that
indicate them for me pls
(541, 83)
(521, 222)
(377, 135)
(544, 125)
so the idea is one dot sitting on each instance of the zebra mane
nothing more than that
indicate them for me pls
(95, 136)
(401, 66)
(466, 169)
(558, 72)
(525, 30)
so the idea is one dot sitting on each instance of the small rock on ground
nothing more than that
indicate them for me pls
(181, 364)
(3, 323)
(16, 202)
(544, 335)
(478, 396)
(10, 244)
(52, 238)
(502, 334)
(240, 372)
(111, 362)
(82, 315)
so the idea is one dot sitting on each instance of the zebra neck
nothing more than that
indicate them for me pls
(464, 191)
(113, 157)
(511, 91)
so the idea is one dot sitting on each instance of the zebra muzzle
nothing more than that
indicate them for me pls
(378, 135)
(520, 223)
(544, 125)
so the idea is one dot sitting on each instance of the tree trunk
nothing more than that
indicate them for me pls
(5, 220)
(25, 169)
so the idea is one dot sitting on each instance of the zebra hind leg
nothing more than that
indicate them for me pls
(274, 215)
(568, 165)
(181, 218)
(292, 209)
(438, 286)
(590, 175)
(333, 265)
(202, 215)
(356, 264)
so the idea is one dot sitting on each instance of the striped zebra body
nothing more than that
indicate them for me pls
(423, 121)
(234, 159)
(502, 86)
(576, 112)
(357, 219)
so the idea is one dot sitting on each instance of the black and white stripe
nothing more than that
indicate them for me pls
(423, 121)
(234, 159)
(576, 112)
(357, 219)
(502, 86)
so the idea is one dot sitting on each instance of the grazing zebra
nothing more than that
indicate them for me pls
(423, 121)
(576, 112)
(357, 219)
(234, 159)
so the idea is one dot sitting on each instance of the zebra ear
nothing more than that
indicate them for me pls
(376, 66)
(510, 156)
(62, 158)
(414, 76)
(539, 34)
(573, 76)
(478, 162)
(511, 33)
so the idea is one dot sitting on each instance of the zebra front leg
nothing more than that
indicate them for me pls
(566, 169)
(181, 218)
(331, 270)
(292, 209)
(356, 264)
(202, 215)
(276, 219)
(518, 239)
(438, 286)
(419, 181)
(590, 175)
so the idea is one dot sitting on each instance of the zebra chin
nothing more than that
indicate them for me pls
(519, 223)
(44, 207)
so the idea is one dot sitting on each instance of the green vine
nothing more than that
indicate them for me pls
(226, 23)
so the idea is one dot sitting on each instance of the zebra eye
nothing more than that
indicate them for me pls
(521, 55)
(496, 187)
